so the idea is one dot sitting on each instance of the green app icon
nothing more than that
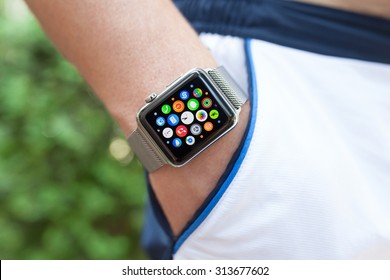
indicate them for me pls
(214, 114)
(193, 104)
(166, 109)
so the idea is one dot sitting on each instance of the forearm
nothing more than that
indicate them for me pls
(124, 49)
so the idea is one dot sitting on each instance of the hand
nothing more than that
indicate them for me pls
(126, 50)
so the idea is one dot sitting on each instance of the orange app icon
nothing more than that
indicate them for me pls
(208, 126)
(178, 106)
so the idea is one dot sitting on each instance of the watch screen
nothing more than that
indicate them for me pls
(189, 118)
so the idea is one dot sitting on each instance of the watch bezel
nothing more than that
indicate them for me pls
(152, 137)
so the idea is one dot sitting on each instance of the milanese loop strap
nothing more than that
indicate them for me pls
(145, 153)
(148, 155)
(228, 86)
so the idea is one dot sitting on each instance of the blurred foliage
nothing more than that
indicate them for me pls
(62, 195)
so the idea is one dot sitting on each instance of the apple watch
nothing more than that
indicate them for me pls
(192, 113)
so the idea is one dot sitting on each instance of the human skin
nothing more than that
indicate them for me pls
(126, 49)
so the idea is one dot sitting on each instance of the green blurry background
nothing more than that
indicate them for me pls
(69, 186)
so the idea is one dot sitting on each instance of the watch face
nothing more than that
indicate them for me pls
(188, 118)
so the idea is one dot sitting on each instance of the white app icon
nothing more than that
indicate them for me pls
(187, 117)
(190, 140)
(195, 129)
(201, 115)
(167, 132)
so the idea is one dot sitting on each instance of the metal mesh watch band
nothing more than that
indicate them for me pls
(148, 154)
(228, 86)
(144, 151)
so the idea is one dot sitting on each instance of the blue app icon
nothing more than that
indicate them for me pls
(176, 142)
(184, 95)
(160, 121)
(173, 119)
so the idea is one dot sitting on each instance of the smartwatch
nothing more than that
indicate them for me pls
(192, 113)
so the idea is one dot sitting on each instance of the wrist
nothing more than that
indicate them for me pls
(192, 113)
(123, 101)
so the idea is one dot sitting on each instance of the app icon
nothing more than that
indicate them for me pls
(190, 140)
(187, 117)
(173, 119)
(181, 130)
(201, 115)
(214, 114)
(197, 92)
(176, 142)
(160, 121)
(208, 126)
(167, 132)
(196, 129)
(178, 106)
(193, 104)
(206, 103)
(184, 95)
(166, 109)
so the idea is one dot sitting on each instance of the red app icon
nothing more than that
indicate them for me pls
(181, 131)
